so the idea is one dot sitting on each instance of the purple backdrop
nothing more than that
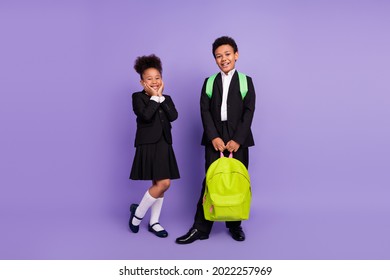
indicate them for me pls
(320, 167)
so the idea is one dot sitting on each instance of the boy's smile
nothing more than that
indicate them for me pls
(225, 57)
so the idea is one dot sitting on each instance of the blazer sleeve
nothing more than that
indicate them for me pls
(207, 119)
(169, 108)
(244, 127)
(144, 111)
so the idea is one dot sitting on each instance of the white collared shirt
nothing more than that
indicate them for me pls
(226, 79)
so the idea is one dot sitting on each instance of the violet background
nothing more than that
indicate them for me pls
(320, 167)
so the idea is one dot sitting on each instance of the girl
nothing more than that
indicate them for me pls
(154, 157)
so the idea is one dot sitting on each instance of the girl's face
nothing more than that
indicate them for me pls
(225, 57)
(152, 77)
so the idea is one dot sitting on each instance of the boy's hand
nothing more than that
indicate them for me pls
(218, 144)
(232, 146)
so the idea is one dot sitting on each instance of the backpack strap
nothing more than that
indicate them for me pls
(241, 79)
(222, 155)
(243, 84)
(210, 84)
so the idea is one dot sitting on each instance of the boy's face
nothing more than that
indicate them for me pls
(225, 57)
(152, 77)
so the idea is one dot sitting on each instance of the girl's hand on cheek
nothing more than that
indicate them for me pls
(149, 90)
(160, 89)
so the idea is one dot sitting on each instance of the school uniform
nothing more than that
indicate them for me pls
(154, 157)
(228, 116)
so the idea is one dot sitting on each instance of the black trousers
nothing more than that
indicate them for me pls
(211, 155)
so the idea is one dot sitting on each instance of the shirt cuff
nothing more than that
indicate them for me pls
(155, 98)
(158, 99)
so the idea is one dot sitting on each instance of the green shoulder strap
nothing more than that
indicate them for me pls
(243, 84)
(210, 84)
(241, 79)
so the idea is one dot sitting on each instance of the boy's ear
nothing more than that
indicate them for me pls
(236, 55)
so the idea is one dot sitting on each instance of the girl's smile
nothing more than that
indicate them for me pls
(152, 77)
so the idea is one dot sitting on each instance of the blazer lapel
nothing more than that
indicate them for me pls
(233, 85)
(145, 97)
(218, 81)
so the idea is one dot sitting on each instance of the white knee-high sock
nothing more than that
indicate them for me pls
(155, 213)
(146, 202)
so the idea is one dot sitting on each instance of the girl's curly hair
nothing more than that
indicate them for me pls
(147, 61)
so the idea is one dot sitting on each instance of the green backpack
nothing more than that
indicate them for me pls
(241, 79)
(227, 195)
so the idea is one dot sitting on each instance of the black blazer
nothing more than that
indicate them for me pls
(153, 118)
(239, 112)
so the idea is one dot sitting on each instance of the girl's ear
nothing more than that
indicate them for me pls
(142, 83)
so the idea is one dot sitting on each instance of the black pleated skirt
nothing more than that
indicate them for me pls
(155, 161)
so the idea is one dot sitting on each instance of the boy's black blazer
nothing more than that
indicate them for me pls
(153, 118)
(239, 112)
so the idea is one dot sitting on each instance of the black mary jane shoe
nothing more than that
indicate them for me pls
(133, 208)
(162, 233)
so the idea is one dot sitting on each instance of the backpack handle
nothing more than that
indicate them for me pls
(222, 155)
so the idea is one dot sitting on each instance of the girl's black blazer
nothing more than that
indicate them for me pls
(153, 118)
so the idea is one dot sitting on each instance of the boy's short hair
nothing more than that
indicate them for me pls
(145, 62)
(224, 40)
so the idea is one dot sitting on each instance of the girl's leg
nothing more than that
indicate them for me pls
(146, 201)
(160, 188)
(150, 197)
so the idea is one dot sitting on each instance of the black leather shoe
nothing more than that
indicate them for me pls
(133, 228)
(191, 236)
(237, 233)
(162, 233)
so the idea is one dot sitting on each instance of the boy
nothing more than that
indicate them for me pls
(226, 119)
